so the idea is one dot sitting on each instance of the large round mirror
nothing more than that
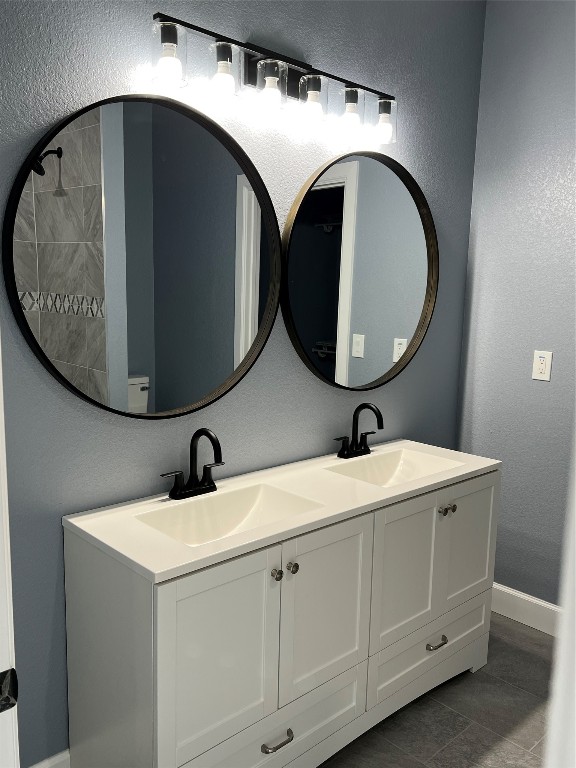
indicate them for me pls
(361, 271)
(142, 257)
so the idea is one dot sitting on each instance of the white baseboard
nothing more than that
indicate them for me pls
(525, 609)
(61, 760)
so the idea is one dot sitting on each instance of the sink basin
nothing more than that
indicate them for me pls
(394, 467)
(216, 515)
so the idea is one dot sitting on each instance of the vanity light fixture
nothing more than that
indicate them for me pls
(275, 81)
(223, 80)
(351, 115)
(311, 96)
(169, 71)
(272, 82)
(385, 126)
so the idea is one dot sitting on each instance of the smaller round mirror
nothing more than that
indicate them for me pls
(361, 271)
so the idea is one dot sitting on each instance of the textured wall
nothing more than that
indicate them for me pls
(66, 456)
(521, 282)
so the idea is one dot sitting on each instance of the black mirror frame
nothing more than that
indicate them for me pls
(268, 217)
(431, 283)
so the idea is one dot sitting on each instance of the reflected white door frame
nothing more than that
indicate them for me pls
(8, 720)
(344, 175)
(247, 284)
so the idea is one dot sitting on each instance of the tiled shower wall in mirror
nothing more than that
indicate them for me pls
(59, 257)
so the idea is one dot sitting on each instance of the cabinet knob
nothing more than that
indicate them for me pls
(277, 574)
(453, 508)
(443, 511)
(293, 567)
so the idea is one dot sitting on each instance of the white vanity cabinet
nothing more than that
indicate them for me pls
(279, 653)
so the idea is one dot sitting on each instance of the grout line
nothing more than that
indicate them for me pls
(401, 749)
(537, 743)
(518, 687)
(475, 722)
(470, 723)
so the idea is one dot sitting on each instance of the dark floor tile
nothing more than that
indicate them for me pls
(372, 750)
(477, 747)
(423, 727)
(514, 713)
(520, 655)
(540, 748)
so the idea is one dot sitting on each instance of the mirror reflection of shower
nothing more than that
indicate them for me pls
(38, 168)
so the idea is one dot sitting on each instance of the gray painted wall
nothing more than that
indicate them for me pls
(521, 282)
(65, 455)
(194, 260)
(390, 270)
(139, 202)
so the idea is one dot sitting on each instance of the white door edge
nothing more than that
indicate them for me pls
(9, 753)
(346, 175)
(247, 285)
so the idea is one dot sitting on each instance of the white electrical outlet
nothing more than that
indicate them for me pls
(542, 365)
(399, 349)
(357, 345)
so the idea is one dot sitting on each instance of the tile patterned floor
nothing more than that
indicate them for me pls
(495, 718)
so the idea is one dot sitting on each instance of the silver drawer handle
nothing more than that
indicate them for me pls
(269, 750)
(440, 644)
(277, 574)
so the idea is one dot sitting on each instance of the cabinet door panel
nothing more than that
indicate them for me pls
(217, 654)
(467, 539)
(404, 574)
(325, 605)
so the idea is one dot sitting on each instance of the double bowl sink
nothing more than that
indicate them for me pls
(224, 513)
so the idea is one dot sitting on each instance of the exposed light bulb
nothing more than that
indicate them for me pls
(223, 80)
(168, 71)
(351, 117)
(384, 129)
(313, 105)
(270, 94)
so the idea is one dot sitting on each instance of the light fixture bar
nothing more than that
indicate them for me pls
(266, 53)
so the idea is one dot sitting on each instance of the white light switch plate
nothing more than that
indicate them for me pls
(542, 365)
(399, 349)
(357, 345)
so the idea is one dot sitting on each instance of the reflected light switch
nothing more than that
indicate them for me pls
(399, 349)
(357, 345)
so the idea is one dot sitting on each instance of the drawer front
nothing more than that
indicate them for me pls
(404, 661)
(302, 724)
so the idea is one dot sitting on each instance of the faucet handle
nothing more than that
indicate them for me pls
(364, 439)
(344, 451)
(178, 487)
(207, 473)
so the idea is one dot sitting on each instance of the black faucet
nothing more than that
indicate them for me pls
(195, 486)
(360, 447)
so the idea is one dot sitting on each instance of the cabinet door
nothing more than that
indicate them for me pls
(325, 605)
(217, 634)
(466, 539)
(404, 575)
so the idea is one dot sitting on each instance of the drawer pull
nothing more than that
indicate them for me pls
(453, 508)
(443, 511)
(293, 567)
(440, 644)
(270, 750)
(277, 574)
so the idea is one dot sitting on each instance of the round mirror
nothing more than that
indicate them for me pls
(361, 271)
(141, 256)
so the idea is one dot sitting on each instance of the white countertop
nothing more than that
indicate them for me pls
(159, 557)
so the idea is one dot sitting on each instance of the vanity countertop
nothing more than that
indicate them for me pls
(158, 557)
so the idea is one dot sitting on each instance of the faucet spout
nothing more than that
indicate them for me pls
(355, 443)
(194, 481)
